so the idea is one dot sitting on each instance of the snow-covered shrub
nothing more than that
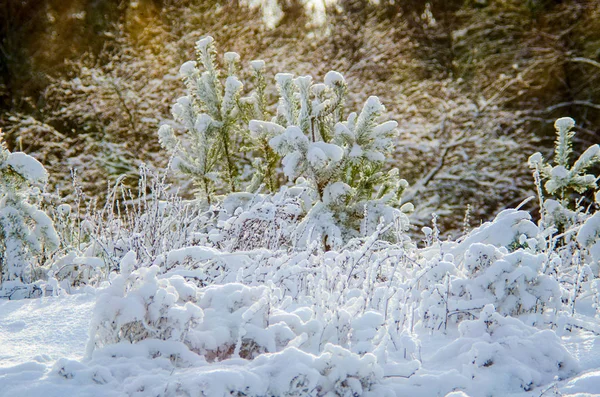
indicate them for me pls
(291, 372)
(497, 263)
(252, 220)
(514, 283)
(138, 306)
(589, 236)
(333, 314)
(339, 160)
(497, 347)
(434, 294)
(154, 221)
(563, 177)
(567, 222)
(27, 234)
(511, 229)
(217, 322)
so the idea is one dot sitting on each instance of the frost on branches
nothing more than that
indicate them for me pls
(337, 161)
(568, 226)
(563, 177)
(292, 273)
(341, 322)
(26, 232)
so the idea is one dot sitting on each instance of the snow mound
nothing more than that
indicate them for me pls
(503, 354)
(28, 167)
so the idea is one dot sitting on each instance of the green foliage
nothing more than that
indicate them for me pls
(209, 113)
(561, 177)
(339, 161)
(26, 233)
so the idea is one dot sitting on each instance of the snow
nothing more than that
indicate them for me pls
(257, 65)
(303, 81)
(564, 123)
(290, 164)
(590, 231)
(283, 78)
(373, 105)
(385, 128)
(232, 57)
(560, 172)
(589, 235)
(203, 122)
(28, 167)
(203, 43)
(233, 84)
(507, 227)
(232, 88)
(535, 159)
(320, 154)
(64, 209)
(336, 193)
(591, 154)
(44, 330)
(43, 343)
(332, 77)
(187, 68)
(264, 129)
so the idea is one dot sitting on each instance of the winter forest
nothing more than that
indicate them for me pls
(319, 198)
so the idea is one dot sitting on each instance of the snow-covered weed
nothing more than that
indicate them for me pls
(494, 346)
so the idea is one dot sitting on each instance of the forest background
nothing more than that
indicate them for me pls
(475, 84)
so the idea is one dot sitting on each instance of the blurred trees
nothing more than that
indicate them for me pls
(475, 84)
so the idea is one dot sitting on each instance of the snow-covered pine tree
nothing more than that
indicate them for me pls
(561, 186)
(209, 113)
(563, 178)
(26, 232)
(339, 162)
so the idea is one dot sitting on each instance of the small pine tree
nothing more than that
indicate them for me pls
(209, 114)
(26, 232)
(562, 178)
(340, 162)
(561, 216)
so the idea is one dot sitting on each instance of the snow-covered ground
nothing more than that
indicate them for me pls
(42, 347)
(43, 330)
(315, 290)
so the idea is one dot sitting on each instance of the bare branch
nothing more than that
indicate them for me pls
(585, 60)
(571, 103)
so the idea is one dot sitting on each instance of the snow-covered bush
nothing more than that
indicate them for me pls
(589, 236)
(339, 161)
(514, 283)
(137, 306)
(27, 234)
(252, 220)
(494, 346)
(567, 222)
(169, 317)
(154, 221)
(291, 372)
(562, 177)
(497, 263)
